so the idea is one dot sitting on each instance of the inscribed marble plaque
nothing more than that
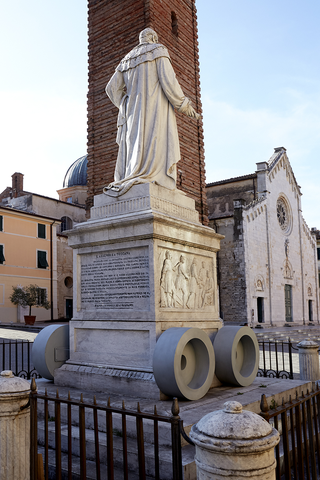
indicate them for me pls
(116, 280)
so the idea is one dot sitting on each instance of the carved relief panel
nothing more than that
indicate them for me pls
(186, 280)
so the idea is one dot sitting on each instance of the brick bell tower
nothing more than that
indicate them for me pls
(113, 28)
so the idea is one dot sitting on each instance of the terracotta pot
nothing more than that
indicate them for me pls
(29, 319)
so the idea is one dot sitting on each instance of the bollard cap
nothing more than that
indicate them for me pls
(307, 344)
(234, 423)
(9, 384)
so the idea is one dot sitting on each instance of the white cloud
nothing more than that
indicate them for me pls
(41, 136)
(236, 139)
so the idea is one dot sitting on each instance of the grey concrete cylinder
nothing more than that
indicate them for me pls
(309, 360)
(184, 362)
(50, 349)
(14, 427)
(237, 355)
(232, 444)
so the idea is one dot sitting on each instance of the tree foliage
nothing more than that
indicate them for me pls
(30, 296)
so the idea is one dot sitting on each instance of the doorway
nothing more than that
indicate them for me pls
(69, 308)
(260, 309)
(310, 310)
(288, 302)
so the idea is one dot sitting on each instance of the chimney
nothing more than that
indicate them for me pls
(17, 184)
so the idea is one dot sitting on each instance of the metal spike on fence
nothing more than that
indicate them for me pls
(307, 391)
(155, 410)
(109, 404)
(138, 408)
(264, 404)
(290, 400)
(302, 395)
(69, 396)
(175, 407)
(81, 398)
(33, 385)
(283, 401)
(123, 406)
(297, 395)
(46, 392)
(57, 394)
(94, 400)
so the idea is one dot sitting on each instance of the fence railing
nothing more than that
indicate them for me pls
(275, 359)
(107, 440)
(15, 355)
(298, 422)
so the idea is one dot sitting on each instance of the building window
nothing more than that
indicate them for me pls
(69, 199)
(41, 230)
(174, 24)
(318, 250)
(42, 296)
(68, 282)
(42, 259)
(66, 224)
(1, 228)
(2, 259)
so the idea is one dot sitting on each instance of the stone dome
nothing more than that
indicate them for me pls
(76, 173)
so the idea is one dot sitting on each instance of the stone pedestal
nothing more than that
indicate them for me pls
(234, 444)
(143, 263)
(309, 360)
(14, 428)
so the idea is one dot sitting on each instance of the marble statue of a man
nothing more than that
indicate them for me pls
(145, 89)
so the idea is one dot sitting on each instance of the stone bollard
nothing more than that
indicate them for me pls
(14, 427)
(234, 444)
(309, 360)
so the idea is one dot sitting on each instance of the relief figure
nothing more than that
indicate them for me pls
(181, 282)
(208, 297)
(166, 281)
(193, 286)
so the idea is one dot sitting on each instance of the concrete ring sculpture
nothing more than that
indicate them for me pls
(50, 349)
(237, 355)
(184, 362)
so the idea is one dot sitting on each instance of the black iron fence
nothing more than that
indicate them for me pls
(87, 440)
(15, 355)
(276, 359)
(298, 423)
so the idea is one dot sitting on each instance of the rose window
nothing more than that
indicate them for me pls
(282, 214)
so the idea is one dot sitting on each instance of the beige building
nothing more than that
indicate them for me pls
(28, 255)
(67, 211)
(268, 270)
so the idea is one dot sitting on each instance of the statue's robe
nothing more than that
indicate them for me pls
(145, 89)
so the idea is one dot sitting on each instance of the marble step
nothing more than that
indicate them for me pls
(165, 453)
(90, 468)
(164, 429)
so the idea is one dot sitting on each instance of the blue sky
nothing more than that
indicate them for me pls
(259, 70)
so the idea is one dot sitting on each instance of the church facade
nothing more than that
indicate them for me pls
(268, 272)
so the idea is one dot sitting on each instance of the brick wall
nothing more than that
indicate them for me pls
(114, 28)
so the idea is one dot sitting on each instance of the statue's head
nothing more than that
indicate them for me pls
(148, 36)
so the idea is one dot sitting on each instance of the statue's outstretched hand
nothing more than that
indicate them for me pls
(187, 109)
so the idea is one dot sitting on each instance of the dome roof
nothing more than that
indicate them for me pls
(77, 173)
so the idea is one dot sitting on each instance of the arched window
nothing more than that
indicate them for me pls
(66, 224)
(174, 23)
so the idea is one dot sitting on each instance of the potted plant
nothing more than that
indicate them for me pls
(30, 296)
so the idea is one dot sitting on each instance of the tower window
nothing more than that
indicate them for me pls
(174, 23)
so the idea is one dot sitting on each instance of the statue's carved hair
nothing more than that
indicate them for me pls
(148, 36)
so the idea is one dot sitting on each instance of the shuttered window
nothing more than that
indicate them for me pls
(1, 223)
(41, 230)
(42, 259)
(2, 259)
